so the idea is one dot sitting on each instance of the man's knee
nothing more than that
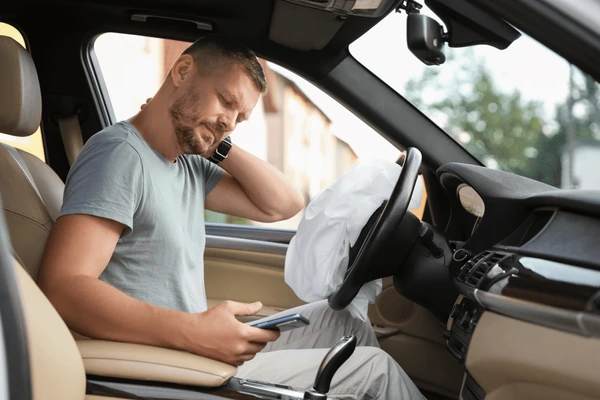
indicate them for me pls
(363, 330)
(373, 374)
(368, 374)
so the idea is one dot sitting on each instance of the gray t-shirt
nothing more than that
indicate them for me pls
(159, 258)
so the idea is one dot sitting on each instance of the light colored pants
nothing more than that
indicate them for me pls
(294, 358)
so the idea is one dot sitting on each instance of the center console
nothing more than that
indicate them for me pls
(523, 287)
(127, 371)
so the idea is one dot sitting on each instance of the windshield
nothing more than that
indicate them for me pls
(523, 110)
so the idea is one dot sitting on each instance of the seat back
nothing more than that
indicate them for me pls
(57, 371)
(31, 190)
(38, 336)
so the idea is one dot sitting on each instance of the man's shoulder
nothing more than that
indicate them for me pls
(114, 145)
(121, 132)
(119, 137)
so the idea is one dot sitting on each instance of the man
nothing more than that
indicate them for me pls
(124, 261)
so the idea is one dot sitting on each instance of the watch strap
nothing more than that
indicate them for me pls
(222, 151)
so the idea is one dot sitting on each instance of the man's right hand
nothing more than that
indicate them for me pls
(217, 334)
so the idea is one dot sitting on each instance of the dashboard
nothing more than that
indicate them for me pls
(526, 251)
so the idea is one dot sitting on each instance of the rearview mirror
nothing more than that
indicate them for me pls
(425, 37)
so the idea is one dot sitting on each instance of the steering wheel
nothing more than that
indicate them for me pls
(370, 257)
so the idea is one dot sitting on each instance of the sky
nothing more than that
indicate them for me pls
(525, 65)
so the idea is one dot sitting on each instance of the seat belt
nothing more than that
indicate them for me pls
(70, 131)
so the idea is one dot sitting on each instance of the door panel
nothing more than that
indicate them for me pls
(250, 270)
(247, 276)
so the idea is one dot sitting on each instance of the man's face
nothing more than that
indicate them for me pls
(209, 107)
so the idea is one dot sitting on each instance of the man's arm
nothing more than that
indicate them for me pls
(253, 189)
(78, 250)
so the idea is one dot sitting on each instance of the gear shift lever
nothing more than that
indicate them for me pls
(333, 360)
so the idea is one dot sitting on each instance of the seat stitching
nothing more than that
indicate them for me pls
(29, 178)
(125, 360)
(19, 215)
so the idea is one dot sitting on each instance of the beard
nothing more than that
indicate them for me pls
(185, 123)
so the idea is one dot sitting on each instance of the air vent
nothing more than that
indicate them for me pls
(495, 258)
(475, 269)
(465, 271)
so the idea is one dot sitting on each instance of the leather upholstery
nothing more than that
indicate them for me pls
(56, 368)
(20, 96)
(59, 365)
(32, 193)
(50, 187)
(31, 196)
(141, 362)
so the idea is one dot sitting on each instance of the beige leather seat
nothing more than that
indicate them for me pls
(57, 371)
(31, 190)
(58, 364)
(31, 199)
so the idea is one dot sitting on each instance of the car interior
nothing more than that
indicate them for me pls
(494, 292)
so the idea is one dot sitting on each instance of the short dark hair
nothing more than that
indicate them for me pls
(211, 51)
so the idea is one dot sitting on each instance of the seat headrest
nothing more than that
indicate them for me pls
(20, 96)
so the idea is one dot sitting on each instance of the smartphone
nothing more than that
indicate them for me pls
(281, 324)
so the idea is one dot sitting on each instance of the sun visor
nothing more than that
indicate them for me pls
(356, 8)
(311, 24)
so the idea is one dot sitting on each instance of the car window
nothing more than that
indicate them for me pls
(523, 109)
(296, 127)
(32, 144)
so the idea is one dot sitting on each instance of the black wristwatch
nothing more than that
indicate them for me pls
(222, 151)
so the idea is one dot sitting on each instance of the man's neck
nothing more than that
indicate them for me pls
(154, 124)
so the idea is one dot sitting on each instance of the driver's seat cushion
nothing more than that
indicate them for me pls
(31, 191)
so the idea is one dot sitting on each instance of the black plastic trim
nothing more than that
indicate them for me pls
(125, 389)
(236, 388)
(471, 389)
(93, 72)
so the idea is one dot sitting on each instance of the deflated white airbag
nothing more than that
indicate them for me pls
(317, 257)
